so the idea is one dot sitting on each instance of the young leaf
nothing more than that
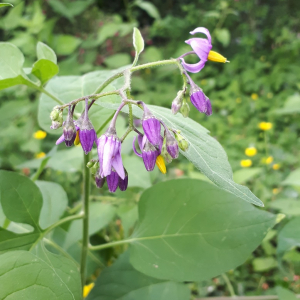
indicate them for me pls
(44, 70)
(45, 52)
(46, 276)
(138, 43)
(5, 4)
(131, 284)
(190, 230)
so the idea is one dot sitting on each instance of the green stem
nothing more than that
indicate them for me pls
(229, 285)
(85, 233)
(41, 89)
(112, 244)
(105, 123)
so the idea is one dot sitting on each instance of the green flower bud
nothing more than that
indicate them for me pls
(164, 153)
(177, 102)
(182, 142)
(185, 108)
(58, 121)
(90, 164)
(54, 115)
(94, 168)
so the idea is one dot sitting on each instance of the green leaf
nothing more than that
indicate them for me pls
(45, 52)
(149, 8)
(68, 88)
(11, 63)
(289, 236)
(244, 175)
(286, 206)
(285, 294)
(43, 163)
(20, 198)
(55, 202)
(138, 43)
(44, 70)
(46, 276)
(5, 4)
(262, 264)
(223, 36)
(122, 282)
(293, 178)
(66, 44)
(187, 226)
(129, 215)
(291, 106)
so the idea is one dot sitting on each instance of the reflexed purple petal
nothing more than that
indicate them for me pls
(117, 164)
(200, 46)
(99, 181)
(60, 140)
(112, 181)
(209, 108)
(87, 138)
(199, 101)
(151, 128)
(123, 183)
(193, 68)
(134, 149)
(202, 30)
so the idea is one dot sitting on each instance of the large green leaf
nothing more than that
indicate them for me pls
(46, 276)
(123, 282)
(55, 202)
(68, 88)
(44, 69)
(286, 206)
(289, 236)
(190, 230)
(20, 198)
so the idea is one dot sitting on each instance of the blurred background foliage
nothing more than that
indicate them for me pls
(260, 84)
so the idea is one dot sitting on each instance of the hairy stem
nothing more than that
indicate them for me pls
(41, 89)
(85, 233)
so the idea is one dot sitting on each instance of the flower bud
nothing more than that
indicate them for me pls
(69, 129)
(99, 181)
(198, 98)
(171, 144)
(182, 142)
(54, 115)
(185, 109)
(177, 102)
(95, 168)
(90, 164)
(164, 152)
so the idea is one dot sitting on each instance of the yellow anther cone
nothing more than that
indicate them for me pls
(160, 162)
(87, 289)
(77, 140)
(217, 57)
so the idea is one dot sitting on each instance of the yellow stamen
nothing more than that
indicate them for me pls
(160, 162)
(215, 56)
(87, 289)
(77, 140)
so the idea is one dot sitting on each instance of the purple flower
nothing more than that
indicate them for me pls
(208, 107)
(62, 138)
(149, 152)
(202, 48)
(112, 181)
(171, 144)
(69, 129)
(99, 181)
(198, 98)
(151, 126)
(87, 134)
(109, 152)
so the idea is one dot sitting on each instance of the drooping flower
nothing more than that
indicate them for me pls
(69, 129)
(202, 48)
(171, 144)
(177, 102)
(109, 152)
(149, 152)
(151, 126)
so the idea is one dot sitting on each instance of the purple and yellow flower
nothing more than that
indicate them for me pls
(202, 47)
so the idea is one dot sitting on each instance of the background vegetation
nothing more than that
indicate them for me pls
(261, 84)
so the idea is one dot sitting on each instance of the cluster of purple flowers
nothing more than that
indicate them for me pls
(155, 149)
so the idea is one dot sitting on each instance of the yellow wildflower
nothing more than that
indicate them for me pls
(40, 155)
(238, 100)
(77, 139)
(265, 125)
(251, 151)
(160, 162)
(275, 191)
(87, 288)
(269, 160)
(245, 163)
(40, 134)
(276, 166)
(254, 96)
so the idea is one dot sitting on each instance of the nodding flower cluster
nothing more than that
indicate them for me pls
(202, 48)
(156, 146)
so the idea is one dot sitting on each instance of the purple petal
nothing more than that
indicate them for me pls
(209, 108)
(199, 101)
(123, 183)
(87, 138)
(134, 149)
(193, 68)
(101, 143)
(108, 152)
(118, 165)
(151, 128)
(60, 140)
(149, 158)
(112, 181)
(202, 30)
